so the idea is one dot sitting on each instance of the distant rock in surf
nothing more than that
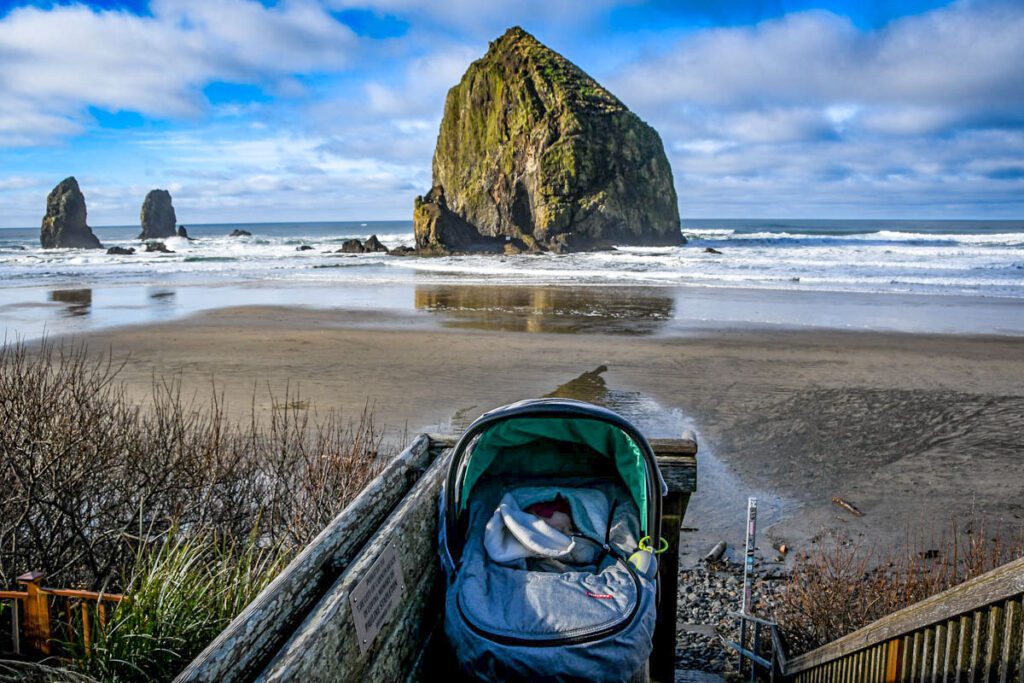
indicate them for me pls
(182, 232)
(711, 250)
(121, 251)
(374, 245)
(157, 216)
(158, 247)
(534, 155)
(64, 224)
(402, 250)
(240, 233)
(303, 247)
(351, 247)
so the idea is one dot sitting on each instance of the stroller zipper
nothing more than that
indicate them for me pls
(567, 640)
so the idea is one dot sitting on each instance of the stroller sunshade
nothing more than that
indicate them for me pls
(529, 439)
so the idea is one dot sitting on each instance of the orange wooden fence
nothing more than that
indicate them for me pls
(34, 632)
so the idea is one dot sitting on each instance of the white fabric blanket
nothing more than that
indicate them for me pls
(512, 534)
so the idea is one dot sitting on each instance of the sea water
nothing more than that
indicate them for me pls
(768, 272)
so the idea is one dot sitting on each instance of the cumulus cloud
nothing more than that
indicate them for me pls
(917, 74)
(477, 17)
(808, 114)
(422, 85)
(58, 61)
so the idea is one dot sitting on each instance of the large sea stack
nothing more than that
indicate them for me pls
(158, 219)
(64, 224)
(533, 154)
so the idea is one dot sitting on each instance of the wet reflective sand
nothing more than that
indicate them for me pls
(563, 310)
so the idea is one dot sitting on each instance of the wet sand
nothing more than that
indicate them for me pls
(912, 429)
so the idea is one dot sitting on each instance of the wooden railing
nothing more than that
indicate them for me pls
(971, 632)
(302, 626)
(33, 632)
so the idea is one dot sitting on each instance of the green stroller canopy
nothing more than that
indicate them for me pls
(529, 440)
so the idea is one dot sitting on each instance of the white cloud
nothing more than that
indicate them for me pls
(479, 16)
(802, 115)
(808, 114)
(960, 58)
(57, 62)
(422, 85)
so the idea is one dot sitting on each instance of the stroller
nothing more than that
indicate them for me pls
(546, 517)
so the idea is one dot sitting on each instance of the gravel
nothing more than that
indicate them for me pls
(707, 597)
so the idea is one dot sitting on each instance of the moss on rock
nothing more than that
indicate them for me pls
(530, 145)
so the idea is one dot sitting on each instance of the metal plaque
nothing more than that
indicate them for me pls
(375, 597)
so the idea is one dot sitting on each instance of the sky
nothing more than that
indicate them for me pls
(295, 110)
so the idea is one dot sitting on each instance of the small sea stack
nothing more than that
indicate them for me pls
(374, 245)
(352, 246)
(157, 216)
(64, 224)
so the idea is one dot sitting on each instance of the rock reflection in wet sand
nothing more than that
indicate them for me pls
(79, 301)
(547, 309)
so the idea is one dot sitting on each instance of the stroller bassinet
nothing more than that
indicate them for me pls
(531, 600)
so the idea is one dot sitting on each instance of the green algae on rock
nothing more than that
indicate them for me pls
(534, 155)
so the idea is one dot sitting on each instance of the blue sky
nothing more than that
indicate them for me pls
(328, 109)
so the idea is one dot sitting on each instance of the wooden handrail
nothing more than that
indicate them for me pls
(34, 617)
(999, 584)
(82, 595)
(303, 622)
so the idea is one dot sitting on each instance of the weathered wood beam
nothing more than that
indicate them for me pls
(254, 636)
(326, 647)
(678, 467)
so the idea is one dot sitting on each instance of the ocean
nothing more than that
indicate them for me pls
(760, 260)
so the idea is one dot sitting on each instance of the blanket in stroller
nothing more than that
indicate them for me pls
(530, 600)
(519, 529)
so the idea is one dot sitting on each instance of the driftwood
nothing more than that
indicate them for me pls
(252, 638)
(715, 554)
(847, 506)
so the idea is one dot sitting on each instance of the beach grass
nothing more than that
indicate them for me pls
(185, 511)
(183, 592)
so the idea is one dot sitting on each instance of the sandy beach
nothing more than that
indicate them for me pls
(914, 430)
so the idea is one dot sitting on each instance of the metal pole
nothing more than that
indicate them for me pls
(15, 623)
(748, 566)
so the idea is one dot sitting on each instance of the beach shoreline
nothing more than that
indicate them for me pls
(793, 416)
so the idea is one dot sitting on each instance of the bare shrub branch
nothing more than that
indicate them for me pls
(90, 476)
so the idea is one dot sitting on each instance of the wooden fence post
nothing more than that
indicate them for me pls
(37, 613)
(677, 477)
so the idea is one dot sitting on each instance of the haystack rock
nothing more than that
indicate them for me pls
(64, 224)
(157, 216)
(535, 154)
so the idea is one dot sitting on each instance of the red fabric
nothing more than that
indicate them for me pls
(546, 509)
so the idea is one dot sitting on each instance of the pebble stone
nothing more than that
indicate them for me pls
(707, 596)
